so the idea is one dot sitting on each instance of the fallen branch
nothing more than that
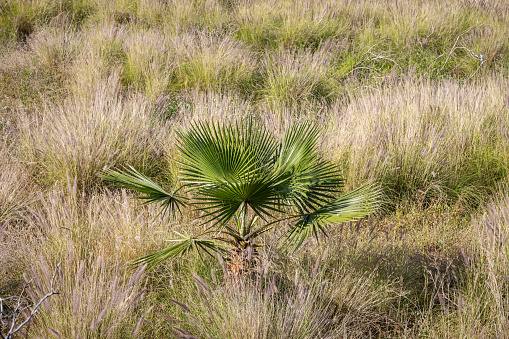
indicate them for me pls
(13, 330)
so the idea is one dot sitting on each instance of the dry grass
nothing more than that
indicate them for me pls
(157, 62)
(312, 304)
(296, 76)
(289, 24)
(85, 134)
(423, 139)
(23, 81)
(55, 46)
(14, 186)
(477, 306)
(97, 295)
(402, 100)
(16, 193)
(102, 56)
(212, 62)
(148, 61)
(94, 239)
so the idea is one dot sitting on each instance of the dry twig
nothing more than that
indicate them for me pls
(15, 329)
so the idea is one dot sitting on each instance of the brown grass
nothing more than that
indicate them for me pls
(428, 134)
(85, 134)
(93, 239)
(401, 98)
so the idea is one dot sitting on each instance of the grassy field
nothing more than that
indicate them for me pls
(410, 94)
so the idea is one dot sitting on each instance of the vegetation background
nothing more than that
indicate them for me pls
(413, 94)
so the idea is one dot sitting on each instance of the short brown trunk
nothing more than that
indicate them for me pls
(240, 261)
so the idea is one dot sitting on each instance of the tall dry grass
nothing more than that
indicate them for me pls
(492, 233)
(289, 24)
(424, 140)
(477, 306)
(16, 193)
(213, 62)
(102, 55)
(23, 81)
(400, 95)
(148, 61)
(157, 62)
(85, 134)
(296, 76)
(55, 46)
(94, 239)
(315, 300)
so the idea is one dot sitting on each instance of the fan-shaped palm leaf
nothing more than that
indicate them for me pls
(350, 206)
(238, 173)
(184, 244)
(134, 180)
(306, 180)
(229, 167)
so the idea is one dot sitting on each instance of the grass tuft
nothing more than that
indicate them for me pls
(84, 135)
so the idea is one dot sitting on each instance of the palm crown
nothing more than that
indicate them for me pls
(247, 182)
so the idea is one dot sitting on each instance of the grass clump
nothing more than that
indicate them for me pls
(84, 135)
(425, 142)
(476, 307)
(148, 62)
(400, 92)
(158, 63)
(288, 24)
(98, 294)
(18, 20)
(56, 46)
(296, 76)
(212, 63)
(14, 191)
(310, 304)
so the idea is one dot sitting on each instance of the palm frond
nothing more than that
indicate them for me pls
(298, 149)
(350, 206)
(308, 188)
(212, 153)
(240, 171)
(184, 245)
(228, 166)
(153, 193)
(223, 200)
(306, 181)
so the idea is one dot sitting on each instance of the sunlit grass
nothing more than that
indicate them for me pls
(400, 92)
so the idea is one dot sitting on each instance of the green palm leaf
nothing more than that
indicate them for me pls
(310, 187)
(229, 167)
(238, 173)
(306, 180)
(350, 206)
(184, 245)
(298, 150)
(213, 153)
(153, 193)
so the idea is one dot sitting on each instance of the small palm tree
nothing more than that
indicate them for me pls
(247, 182)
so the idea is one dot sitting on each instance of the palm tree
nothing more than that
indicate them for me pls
(247, 182)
